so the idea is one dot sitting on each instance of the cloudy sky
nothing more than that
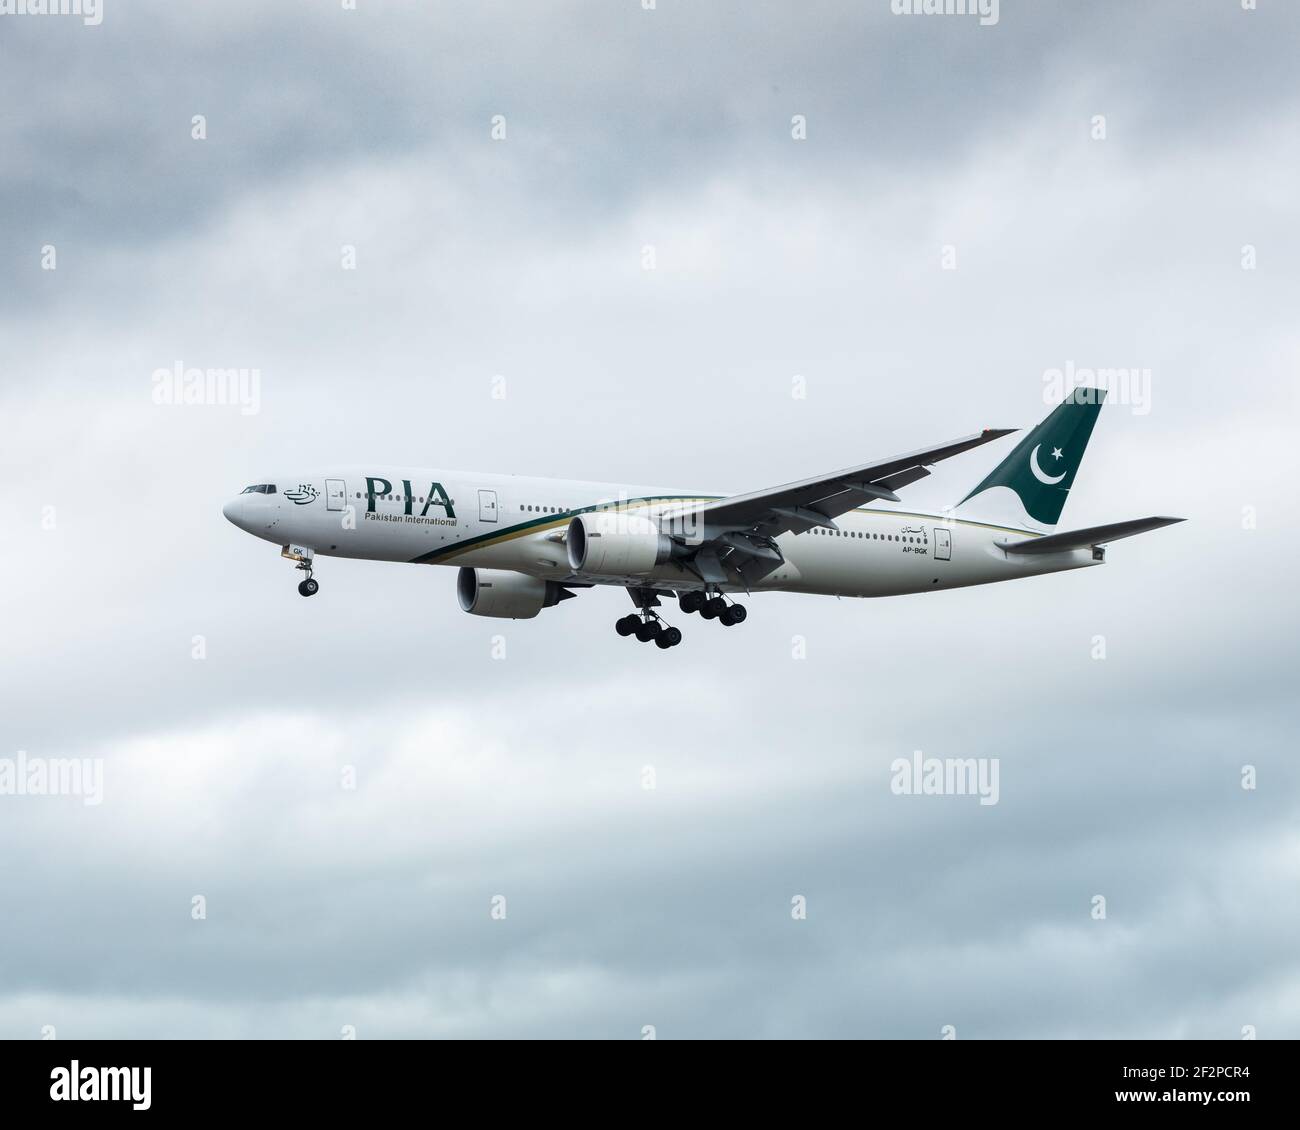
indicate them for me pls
(518, 264)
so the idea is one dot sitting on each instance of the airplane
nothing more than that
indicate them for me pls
(525, 544)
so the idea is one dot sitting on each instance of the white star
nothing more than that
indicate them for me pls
(1056, 453)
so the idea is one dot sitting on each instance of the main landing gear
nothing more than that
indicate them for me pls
(646, 627)
(645, 623)
(712, 608)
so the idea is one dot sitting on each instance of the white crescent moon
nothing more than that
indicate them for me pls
(1038, 471)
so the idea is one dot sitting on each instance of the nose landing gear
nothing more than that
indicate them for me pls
(308, 586)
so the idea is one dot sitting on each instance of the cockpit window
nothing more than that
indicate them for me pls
(260, 488)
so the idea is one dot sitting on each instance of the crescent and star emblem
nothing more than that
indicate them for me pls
(1038, 471)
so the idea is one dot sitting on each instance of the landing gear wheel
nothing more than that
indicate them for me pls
(714, 607)
(669, 637)
(626, 625)
(647, 630)
(690, 602)
(309, 587)
(733, 614)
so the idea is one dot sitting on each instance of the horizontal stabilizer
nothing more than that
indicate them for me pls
(1084, 539)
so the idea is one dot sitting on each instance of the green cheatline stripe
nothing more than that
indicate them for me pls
(510, 532)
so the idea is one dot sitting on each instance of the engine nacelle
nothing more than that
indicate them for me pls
(505, 594)
(615, 543)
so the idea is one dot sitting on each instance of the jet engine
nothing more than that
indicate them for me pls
(505, 594)
(615, 543)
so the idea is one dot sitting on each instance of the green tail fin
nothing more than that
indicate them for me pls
(1041, 469)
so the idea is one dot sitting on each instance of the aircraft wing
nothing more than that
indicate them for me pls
(738, 533)
(798, 507)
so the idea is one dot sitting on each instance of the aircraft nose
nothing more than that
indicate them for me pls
(234, 511)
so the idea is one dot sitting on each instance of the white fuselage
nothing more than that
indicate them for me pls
(511, 522)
